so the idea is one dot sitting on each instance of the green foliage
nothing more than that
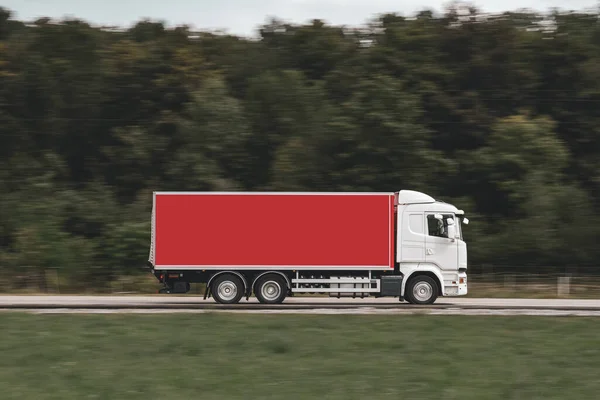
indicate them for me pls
(498, 115)
(125, 244)
(517, 148)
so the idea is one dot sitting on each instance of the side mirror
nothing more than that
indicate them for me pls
(466, 221)
(450, 221)
(451, 231)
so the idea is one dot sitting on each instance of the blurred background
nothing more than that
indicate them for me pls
(496, 111)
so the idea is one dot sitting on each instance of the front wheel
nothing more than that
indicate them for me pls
(422, 290)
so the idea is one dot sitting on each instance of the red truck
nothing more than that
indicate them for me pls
(276, 244)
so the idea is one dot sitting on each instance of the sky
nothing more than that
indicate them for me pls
(242, 17)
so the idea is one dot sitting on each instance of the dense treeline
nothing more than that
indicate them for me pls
(498, 114)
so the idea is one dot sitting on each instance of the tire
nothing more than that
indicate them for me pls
(271, 289)
(422, 290)
(227, 289)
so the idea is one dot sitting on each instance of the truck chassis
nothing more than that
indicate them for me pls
(272, 287)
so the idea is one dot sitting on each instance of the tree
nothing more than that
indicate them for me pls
(497, 113)
(373, 143)
(212, 142)
(518, 146)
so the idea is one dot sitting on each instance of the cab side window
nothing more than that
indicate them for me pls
(438, 228)
(435, 227)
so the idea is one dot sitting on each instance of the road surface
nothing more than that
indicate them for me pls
(321, 305)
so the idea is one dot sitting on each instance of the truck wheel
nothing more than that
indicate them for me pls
(421, 289)
(271, 289)
(227, 289)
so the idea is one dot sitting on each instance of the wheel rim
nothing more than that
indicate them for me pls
(270, 290)
(423, 291)
(227, 290)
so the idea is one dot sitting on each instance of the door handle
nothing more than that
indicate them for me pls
(429, 251)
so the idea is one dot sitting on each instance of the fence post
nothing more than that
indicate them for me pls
(564, 286)
(57, 281)
(486, 272)
(509, 281)
(48, 273)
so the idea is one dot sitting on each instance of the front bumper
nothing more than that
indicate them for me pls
(458, 287)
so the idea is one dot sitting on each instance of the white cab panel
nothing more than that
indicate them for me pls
(412, 237)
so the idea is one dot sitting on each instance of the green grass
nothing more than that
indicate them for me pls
(234, 356)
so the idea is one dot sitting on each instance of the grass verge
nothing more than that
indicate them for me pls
(229, 356)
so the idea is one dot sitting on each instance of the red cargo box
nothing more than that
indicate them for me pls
(250, 230)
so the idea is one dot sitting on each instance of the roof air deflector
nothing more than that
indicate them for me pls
(413, 197)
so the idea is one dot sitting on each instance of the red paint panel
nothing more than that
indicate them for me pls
(391, 260)
(279, 230)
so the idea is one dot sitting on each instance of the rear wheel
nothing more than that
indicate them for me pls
(271, 289)
(227, 289)
(422, 289)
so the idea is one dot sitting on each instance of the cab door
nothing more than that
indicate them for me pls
(412, 246)
(439, 248)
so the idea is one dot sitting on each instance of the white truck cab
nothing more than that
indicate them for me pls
(430, 241)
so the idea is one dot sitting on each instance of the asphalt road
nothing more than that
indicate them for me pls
(190, 303)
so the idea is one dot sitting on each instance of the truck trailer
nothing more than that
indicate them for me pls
(277, 244)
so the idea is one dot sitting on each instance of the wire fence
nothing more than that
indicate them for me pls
(532, 282)
(483, 281)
